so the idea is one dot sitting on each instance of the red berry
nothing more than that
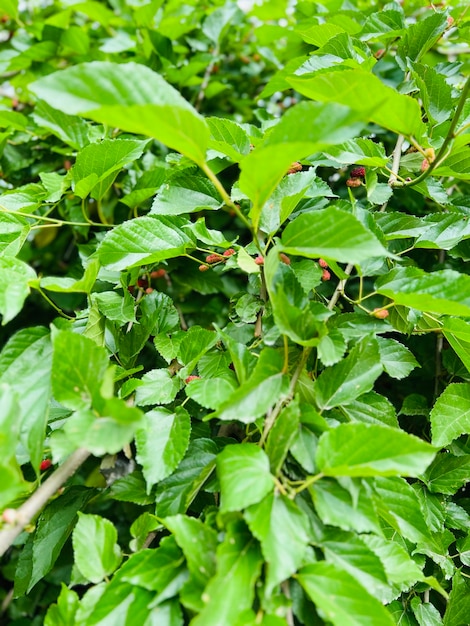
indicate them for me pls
(380, 313)
(358, 172)
(149, 290)
(45, 465)
(190, 378)
(67, 164)
(213, 258)
(143, 283)
(379, 53)
(325, 275)
(284, 258)
(158, 273)
(322, 263)
(353, 182)
(203, 268)
(130, 289)
(259, 260)
(424, 165)
(229, 252)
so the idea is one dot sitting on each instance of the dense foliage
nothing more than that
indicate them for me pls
(235, 299)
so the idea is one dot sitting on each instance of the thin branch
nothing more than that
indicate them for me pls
(340, 287)
(30, 509)
(396, 156)
(207, 76)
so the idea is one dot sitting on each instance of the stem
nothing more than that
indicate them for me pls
(54, 305)
(310, 481)
(53, 220)
(441, 155)
(340, 287)
(206, 78)
(224, 195)
(396, 156)
(27, 511)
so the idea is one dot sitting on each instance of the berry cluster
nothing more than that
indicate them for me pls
(356, 176)
(212, 259)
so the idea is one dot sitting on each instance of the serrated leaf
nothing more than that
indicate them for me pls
(349, 378)
(333, 234)
(343, 600)
(228, 137)
(457, 333)
(211, 393)
(282, 529)
(346, 451)
(396, 359)
(282, 435)
(384, 105)
(162, 443)
(142, 241)
(158, 387)
(95, 547)
(131, 97)
(244, 476)
(450, 415)
(360, 152)
(447, 473)
(186, 194)
(444, 291)
(371, 408)
(15, 276)
(71, 129)
(458, 607)
(13, 232)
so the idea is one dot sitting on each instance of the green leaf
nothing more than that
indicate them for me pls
(444, 291)
(259, 393)
(347, 551)
(360, 152)
(25, 364)
(282, 529)
(371, 408)
(13, 232)
(53, 528)
(142, 241)
(78, 369)
(198, 542)
(94, 544)
(342, 599)
(131, 97)
(396, 359)
(400, 568)
(71, 129)
(435, 92)
(426, 613)
(282, 435)
(158, 387)
(162, 442)
(303, 130)
(63, 613)
(457, 333)
(176, 492)
(447, 473)
(229, 138)
(238, 566)
(98, 164)
(66, 284)
(244, 476)
(383, 105)
(116, 307)
(450, 415)
(347, 508)
(15, 276)
(10, 473)
(458, 607)
(351, 377)
(346, 451)
(211, 393)
(419, 37)
(186, 194)
(333, 234)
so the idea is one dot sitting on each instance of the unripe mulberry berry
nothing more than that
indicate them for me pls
(353, 182)
(158, 273)
(143, 283)
(45, 465)
(322, 263)
(284, 258)
(229, 252)
(203, 268)
(214, 258)
(380, 313)
(149, 290)
(259, 260)
(9, 516)
(358, 172)
(325, 275)
(424, 165)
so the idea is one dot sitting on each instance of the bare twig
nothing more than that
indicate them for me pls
(207, 76)
(396, 156)
(340, 287)
(28, 511)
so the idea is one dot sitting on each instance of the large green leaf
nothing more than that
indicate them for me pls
(244, 476)
(450, 416)
(382, 104)
(94, 544)
(458, 608)
(343, 600)
(131, 97)
(282, 529)
(444, 291)
(15, 276)
(238, 566)
(143, 240)
(304, 129)
(13, 232)
(347, 451)
(12, 479)
(349, 378)
(331, 233)
(457, 333)
(162, 442)
(447, 473)
(25, 364)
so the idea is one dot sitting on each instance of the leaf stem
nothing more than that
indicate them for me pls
(340, 287)
(53, 220)
(310, 481)
(53, 304)
(442, 154)
(27, 511)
